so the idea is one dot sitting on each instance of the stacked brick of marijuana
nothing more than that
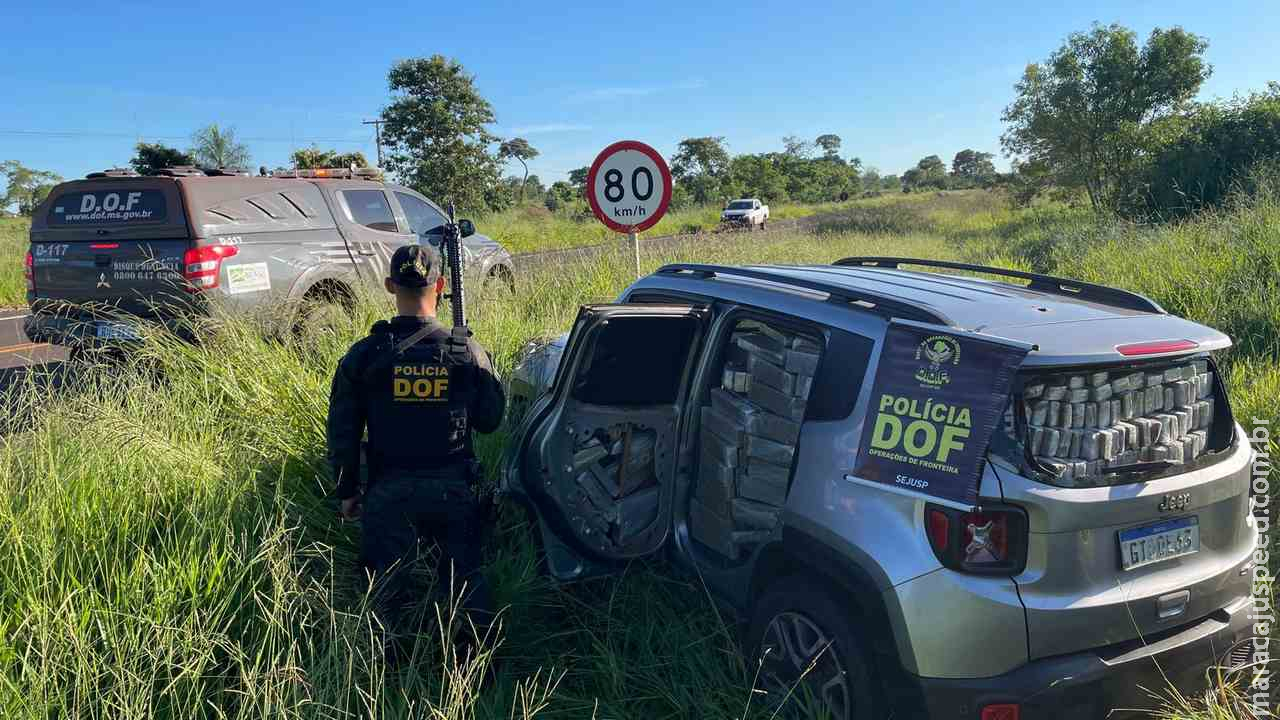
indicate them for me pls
(1080, 425)
(748, 438)
(614, 500)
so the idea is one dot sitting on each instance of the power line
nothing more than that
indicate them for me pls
(103, 134)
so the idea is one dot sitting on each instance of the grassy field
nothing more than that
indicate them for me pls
(167, 549)
(534, 228)
(13, 247)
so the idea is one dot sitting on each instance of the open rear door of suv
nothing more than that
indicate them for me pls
(114, 244)
(596, 457)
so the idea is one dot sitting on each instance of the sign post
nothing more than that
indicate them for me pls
(629, 189)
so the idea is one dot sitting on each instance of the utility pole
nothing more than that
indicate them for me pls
(377, 134)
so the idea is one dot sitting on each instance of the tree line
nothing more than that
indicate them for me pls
(1104, 120)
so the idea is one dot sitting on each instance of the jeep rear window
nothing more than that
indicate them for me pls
(102, 207)
(1070, 427)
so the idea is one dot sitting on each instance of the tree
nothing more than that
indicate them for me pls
(830, 145)
(26, 187)
(756, 176)
(973, 168)
(700, 164)
(1083, 113)
(871, 178)
(1215, 153)
(215, 147)
(150, 157)
(313, 157)
(929, 172)
(797, 148)
(519, 149)
(578, 179)
(560, 194)
(435, 133)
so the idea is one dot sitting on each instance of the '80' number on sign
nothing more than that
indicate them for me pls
(614, 192)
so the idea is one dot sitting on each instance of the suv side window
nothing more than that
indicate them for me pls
(839, 382)
(749, 429)
(423, 218)
(370, 209)
(621, 369)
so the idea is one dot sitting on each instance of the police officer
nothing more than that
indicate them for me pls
(420, 390)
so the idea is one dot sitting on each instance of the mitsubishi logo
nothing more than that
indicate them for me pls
(102, 281)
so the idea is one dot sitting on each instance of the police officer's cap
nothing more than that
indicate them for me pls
(415, 266)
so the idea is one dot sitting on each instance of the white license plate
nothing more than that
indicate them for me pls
(1159, 542)
(116, 331)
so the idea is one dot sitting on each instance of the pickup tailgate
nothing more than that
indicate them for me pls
(110, 244)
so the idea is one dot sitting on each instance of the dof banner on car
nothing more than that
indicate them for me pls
(938, 396)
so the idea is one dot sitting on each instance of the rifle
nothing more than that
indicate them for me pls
(454, 258)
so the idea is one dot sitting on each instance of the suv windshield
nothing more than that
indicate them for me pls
(740, 205)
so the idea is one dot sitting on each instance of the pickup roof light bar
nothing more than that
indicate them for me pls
(889, 307)
(112, 173)
(331, 173)
(1042, 283)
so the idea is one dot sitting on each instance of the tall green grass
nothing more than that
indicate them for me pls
(533, 228)
(13, 248)
(167, 548)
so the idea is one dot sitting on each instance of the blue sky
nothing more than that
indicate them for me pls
(897, 81)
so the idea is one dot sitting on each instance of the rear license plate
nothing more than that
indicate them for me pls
(1159, 542)
(117, 331)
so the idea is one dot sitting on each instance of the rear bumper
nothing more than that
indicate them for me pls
(1090, 684)
(81, 332)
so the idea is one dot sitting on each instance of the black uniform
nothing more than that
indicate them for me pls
(420, 404)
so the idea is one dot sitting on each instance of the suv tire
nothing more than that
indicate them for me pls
(797, 626)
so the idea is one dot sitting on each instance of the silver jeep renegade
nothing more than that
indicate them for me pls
(717, 412)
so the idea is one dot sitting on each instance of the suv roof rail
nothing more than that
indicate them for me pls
(1043, 283)
(886, 305)
(226, 172)
(112, 173)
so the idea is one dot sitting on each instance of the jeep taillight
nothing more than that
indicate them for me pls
(28, 272)
(990, 541)
(201, 265)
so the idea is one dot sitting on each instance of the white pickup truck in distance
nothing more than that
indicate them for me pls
(747, 211)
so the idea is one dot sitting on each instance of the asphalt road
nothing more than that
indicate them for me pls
(20, 356)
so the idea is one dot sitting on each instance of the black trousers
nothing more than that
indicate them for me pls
(404, 516)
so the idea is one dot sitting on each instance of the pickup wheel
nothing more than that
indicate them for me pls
(811, 661)
(499, 278)
(325, 310)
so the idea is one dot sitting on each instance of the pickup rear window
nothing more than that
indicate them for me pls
(100, 207)
(1078, 427)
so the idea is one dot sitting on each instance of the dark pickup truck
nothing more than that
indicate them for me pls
(117, 247)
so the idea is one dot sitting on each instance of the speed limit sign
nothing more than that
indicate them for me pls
(629, 186)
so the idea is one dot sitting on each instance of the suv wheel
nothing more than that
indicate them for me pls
(811, 662)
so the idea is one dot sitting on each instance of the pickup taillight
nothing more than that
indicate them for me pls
(28, 272)
(201, 266)
(987, 541)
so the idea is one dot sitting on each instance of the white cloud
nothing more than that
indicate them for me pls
(619, 92)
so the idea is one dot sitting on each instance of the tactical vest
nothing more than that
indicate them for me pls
(417, 401)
